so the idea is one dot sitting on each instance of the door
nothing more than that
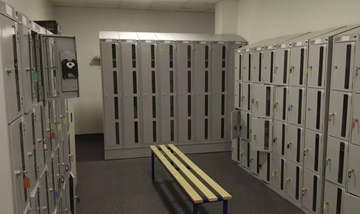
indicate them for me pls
(245, 153)
(254, 162)
(281, 103)
(353, 185)
(355, 123)
(29, 149)
(278, 172)
(280, 138)
(246, 71)
(312, 192)
(313, 151)
(317, 70)
(295, 145)
(315, 107)
(235, 150)
(333, 198)
(268, 66)
(43, 188)
(296, 108)
(343, 66)
(238, 66)
(265, 166)
(35, 201)
(245, 125)
(39, 138)
(298, 63)
(256, 71)
(238, 95)
(351, 203)
(247, 97)
(27, 70)
(261, 134)
(336, 161)
(294, 176)
(282, 61)
(339, 114)
(263, 98)
(235, 134)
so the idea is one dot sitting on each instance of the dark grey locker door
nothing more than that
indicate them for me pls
(245, 153)
(185, 91)
(246, 67)
(29, 149)
(278, 172)
(265, 166)
(317, 70)
(262, 134)
(312, 192)
(333, 198)
(40, 153)
(247, 96)
(281, 68)
(281, 103)
(238, 66)
(315, 109)
(353, 185)
(313, 151)
(355, 123)
(336, 161)
(296, 108)
(245, 122)
(263, 98)
(26, 68)
(238, 95)
(268, 66)
(254, 162)
(256, 69)
(295, 146)
(351, 204)
(235, 134)
(168, 100)
(342, 70)
(339, 114)
(298, 66)
(280, 138)
(294, 176)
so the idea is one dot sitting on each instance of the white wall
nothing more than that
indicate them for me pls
(226, 17)
(85, 24)
(263, 19)
(34, 9)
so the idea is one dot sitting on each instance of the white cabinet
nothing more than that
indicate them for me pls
(268, 66)
(317, 70)
(245, 125)
(280, 138)
(312, 192)
(281, 68)
(256, 70)
(246, 97)
(246, 71)
(238, 95)
(295, 145)
(278, 172)
(313, 151)
(298, 62)
(355, 123)
(294, 176)
(265, 166)
(351, 204)
(353, 173)
(333, 199)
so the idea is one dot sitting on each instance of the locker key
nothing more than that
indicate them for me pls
(275, 105)
(250, 159)
(309, 69)
(275, 69)
(288, 145)
(303, 191)
(45, 146)
(26, 182)
(274, 140)
(357, 71)
(350, 172)
(287, 181)
(291, 69)
(325, 204)
(354, 123)
(290, 107)
(331, 115)
(305, 151)
(242, 153)
(273, 173)
(327, 160)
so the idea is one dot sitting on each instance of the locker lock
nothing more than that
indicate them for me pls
(289, 144)
(350, 172)
(273, 173)
(275, 69)
(275, 105)
(305, 151)
(242, 153)
(325, 204)
(291, 69)
(287, 181)
(354, 122)
(8, 70)
(290, 107)
(357, 71)
(274, 140)
(252, 101)
(327, 160)
(232, 148)
(331, 115)
(303, 191)
(251, 159)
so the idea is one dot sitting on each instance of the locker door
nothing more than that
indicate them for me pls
(280, 138)
(333, 199)
(339, 114)
(353, 185)
(336, 161)
(256, 71)
(247, 96)
(245, 125)
(298, 62)
(39, 138)
(265, 166)
(263, 96)
(27, 71)
(317, 70)
(315, 109)
(235, 150)
(282, 60)
(343, 66)
(43, 188)
(246, 71)
(281, 103)
(235, 134)
(35, 201)
(313, 151)
(29, 149)
(278, 172)
(238, 67)
(238, 95)
(261, 135)
(312, 192)
(351, 203)
(355, 124)
(295, 146)
(268, 67)
(245, 153)
(254, 161)
(294, 176)
(296, 108)
(51, 184)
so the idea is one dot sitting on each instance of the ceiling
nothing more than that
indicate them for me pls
(206, 6)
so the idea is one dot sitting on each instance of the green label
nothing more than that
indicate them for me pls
(35, 77)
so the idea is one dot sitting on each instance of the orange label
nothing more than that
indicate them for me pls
(274, 105)
(26, 182)
(291, 70)
(53, 135)
(287, 182)
(353, 124)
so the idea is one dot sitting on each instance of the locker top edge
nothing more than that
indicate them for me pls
(8, 11)
(350, 35)
(325, 37)
(109, 35)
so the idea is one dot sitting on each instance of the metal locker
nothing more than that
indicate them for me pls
(246, 97)
(280, 138)
(35, 200)
(281, 103)
(355, 124)
(353, 185)
(238, 95)
(298, 62)
(333, 198)
(238, 67)
(296, 108)
(295, 144)
(235, 134)
(246, 67)
(263, 98)
(39, 134)
(29, 149)
(317, 66)
(43, 193)
(245, 153)
(257, 67)
(264, 165)
(339, 114)
(315, 109)
(343, 66)
(262, 134)
(254, 161)
(311, 192)
(230, 86)
(52, 191)
(281, 66)
(351, 204)
(336, 161)
(313, 151)
(268, 66)
(278, 172)
(294, 176)
(245, 125)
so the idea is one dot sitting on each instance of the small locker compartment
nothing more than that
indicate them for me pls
(315, 109)
(238, 65)
(235, 150)
(245, 153)
(246, 65)
(278, 172)
(313, 151)
(245, 125)
(235, 134)
(336, 161)
(40, 145)
(355, 123)
(246, 97)
(257, 76)
(265, 166)
(263, 98)
(296, 108)
(35, 200)
(268, 66)
(333, 198)
(238, 95)
(353, 182)
(281, 67)
(294, 176)
(311, 192)
(339, 114)
(281, 103)
(29, 150)
(295, 145)
(298, 62)
(44, 192)
(52, 187)
(280, 138)
(254, 161)
(351, 204)
(317, 70)
(262, 134)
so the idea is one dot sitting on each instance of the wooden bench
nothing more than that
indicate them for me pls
(173, 164)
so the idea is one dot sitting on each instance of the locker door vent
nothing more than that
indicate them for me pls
(115, 82)
(284, 103)
(172, 106)
(223, 56)
(298, 145)
(315, 186)
(285, 66)
(189, 105)
(344, 115)
(321, 62)
(154, 132)
(283, 139)
(153, 82)
(248, 154)
(135, 108)
(206, 129)
(171, 56)
(268, 100)
(338, 201)
(297, 191)
(300, 106)
(154, 107)
(223, 76)
(341, 162)
(53, 179)
(248, 126)
(302, 59)
(258, 166)
(272, 66)
(249, 68)
(172, 130)
(267, 135)
(206, 56)
(223, 104)
(317, 146)
(238, 151)
(318, 110)
(240, 66)
(206, 105)
(268, 168)
(347, 67)
(189, 55)
(117, 134)
(136, 132)
(189, 81)
(133, 53)
(152, 56)
(33, 118)
(282, 174)
(134, 83)
(189, 129)
(16, 63)
(240, 98)
(260, 60)
(23, 158)
(222, 127)
(249, 98)
(171, 81)
(113, 47)
(116, 107)
(206, 81)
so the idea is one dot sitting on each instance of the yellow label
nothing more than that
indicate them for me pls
(65, 120)
(308, 70)
(325, 206)
(59, 127)
(273, 174)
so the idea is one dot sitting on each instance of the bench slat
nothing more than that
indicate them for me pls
(208, 194)
(225, 195)
(195, 197)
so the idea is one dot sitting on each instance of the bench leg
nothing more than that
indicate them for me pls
(195, 209)
(225, 207)
(153, 166)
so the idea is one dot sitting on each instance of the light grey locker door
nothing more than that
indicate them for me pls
(256, 69)
(265, 166)
(355, 124)
(27, 71)
(295, 146)
(254, 161)
(351, 204)
(315, 109)
(294, 176)
(245, 153)
(296, 108)
(40, 152)
(281, 103)
(278, 172)
(245, 125)
(238, 67)
(336, 161)
(262, 134)
(281, 68)
(280, 138)
(263, 96)
(317, 69)
(333, 199)
(246, 67)
(313, 151)
(246, 97)
(235, 134)
(343, 66)
(238, 95)
(353, 185)
(268, 66)
(29, 149)
(312, 192)
(339, 114)
(298, 63)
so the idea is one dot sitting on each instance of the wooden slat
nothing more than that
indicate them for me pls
(225, 195)
(191, 192)
(204, 190)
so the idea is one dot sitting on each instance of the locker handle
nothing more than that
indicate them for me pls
(289, 144)
(327, 160)
(331, 115)
(287, 181)
(303, 191)
(305, 151)
(274, 140)
(275, 105)
(273, 173)
(350, 172)
(241, 154)
(8, 70)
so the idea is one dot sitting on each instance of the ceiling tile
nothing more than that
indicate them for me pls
(70, 2)
(166, 5)
(135, 4)
(103, 3)
(192, 5)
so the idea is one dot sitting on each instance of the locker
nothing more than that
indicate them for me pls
(315, 107)
(245, 126)
(336, 161)
(351, 203)
(29, 150)
(333, 199)
(339, 114)
(35, 200)
(235, 150)
(313, 151)
(294, 176)
(247, 96)
(357, 68)
(280, 138)
(238, 67)
(317, 69)
(295, 145)
(40, 153)
(281, 68)
(245, 153)
(254, 161)
(52, 190)
(265, 166)
(355, 125)
(343, 66)
(296, 108)
(298, 63)
(43, 192)
(281, 103)
(235, 135)
(257, 67)
(238, 95)
(312, 192)
(268, 66)
(353, 185)
(262, 134)
(230, 86)
(278, 172)
(246, 71)
(263, 98)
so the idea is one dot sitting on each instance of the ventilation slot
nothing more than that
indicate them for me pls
(223, 104)
(22, 157)
(248, 126)
(315, 186)
(321, 63)
(302, 59)
(114, 55)
(206, 56)
(189, 105)
(248, 154)
(152, 56)
(272, 67)
(172, 106)
(189, 81)
(297, 191)
(318, 110)
(189, 129)
(282, 174)
(284, 104)
(206, 81)
(285, 66)
(260, 59)
(240, 97)
(116, 106)
(136, 132)
(283, 139)
(206, 129)
(206, 105)
(344, 115)
(300, 106)
(222, 127)
(18, 99)
(347, 67)
(238, 150)
(317, 146)
(171, 56)
(257, 162)
(33, 117)
(154, 132)
(115, 82)
(298, 145)
(249, 98)
(154, 106)
(223, 56)
(135, 108)
(171, 81)
(249, 68)
(267, 135)
(268, 100)
(117, 133)
(268, 167)
(223, 81)
(133, 53)
(189, 55)
(172, 132)
(338, 201)
(341, 162)
(134, 82)
(240, 66)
